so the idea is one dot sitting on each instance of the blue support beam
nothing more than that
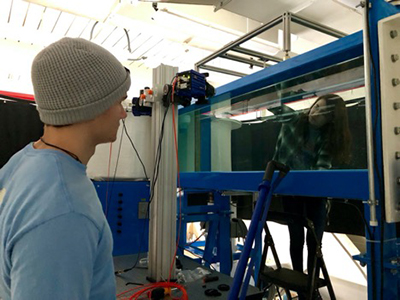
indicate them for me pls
(353, 183)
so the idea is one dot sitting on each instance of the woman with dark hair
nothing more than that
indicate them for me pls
(316, 140)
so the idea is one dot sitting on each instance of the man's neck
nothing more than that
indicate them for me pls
(72, 138)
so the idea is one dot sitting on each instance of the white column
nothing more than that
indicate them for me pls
(162, 233)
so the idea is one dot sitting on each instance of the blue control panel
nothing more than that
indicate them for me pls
(125, 204)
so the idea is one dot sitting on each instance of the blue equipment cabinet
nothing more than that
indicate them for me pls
(125, 204)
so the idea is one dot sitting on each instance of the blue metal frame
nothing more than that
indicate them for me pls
(218, 236)
(322, 183)
(338, 51)
(382, 247)
(382, 256)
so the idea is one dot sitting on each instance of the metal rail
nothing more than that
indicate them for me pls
(239, 41)
(286, 18)
(262, 56)
(224, 71)
(251, 62)
(318, 27)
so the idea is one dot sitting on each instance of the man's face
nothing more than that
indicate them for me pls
(106, 125)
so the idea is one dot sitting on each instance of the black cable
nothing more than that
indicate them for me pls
(154, 180)
(134, 148)
(17, 100)
(74, 156)
(134, 283)
(158, 153)
(140, 246)
(118, 155)
(138, 255)
(155, 177)
(346, 201)
(158, 157)
(115, 173)
(147, 213)
(91, 31)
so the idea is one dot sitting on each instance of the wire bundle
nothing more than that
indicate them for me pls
(144, 292)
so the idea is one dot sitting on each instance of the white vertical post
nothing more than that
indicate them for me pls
(162, 231)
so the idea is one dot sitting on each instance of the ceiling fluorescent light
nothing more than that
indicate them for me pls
(93, 9)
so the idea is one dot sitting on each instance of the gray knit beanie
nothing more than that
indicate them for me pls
(75, 80)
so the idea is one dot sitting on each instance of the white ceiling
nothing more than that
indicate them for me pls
(176, 34)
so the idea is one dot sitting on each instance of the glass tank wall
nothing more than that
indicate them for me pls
(279, 121)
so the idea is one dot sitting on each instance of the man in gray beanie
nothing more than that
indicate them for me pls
(55, 240)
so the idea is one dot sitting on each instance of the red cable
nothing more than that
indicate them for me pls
(167, 285)
(120, 294)
(179, 183)
(148, 288)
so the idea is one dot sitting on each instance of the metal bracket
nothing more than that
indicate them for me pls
(371, 202)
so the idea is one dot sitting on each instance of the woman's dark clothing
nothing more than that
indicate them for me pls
(302, 147)
(299, 146)
(313, 209)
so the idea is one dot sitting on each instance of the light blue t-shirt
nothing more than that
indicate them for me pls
(55, 242)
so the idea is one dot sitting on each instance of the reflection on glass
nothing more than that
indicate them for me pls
(242, 133)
